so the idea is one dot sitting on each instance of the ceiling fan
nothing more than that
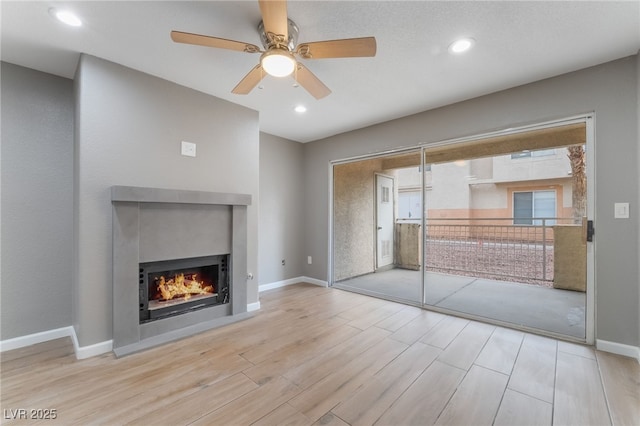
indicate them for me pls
(279, 36)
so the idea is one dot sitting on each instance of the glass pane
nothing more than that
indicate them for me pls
(522, 208)
(521, 154)
(543, 152)
(409, 205)
(544, 206)
(377, 210)
(486, 252)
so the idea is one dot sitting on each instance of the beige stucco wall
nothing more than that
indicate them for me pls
(449, 186)
(483, 187)
(353, 218)
(507, 169)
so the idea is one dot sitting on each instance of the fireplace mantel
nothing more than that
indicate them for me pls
(160, 195)
(155, 224)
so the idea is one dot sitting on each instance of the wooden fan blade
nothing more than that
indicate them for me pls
(343, 48)
(311, 83)
(249, 81)
(222, 43)
(274, 17)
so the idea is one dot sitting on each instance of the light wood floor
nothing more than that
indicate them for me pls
(314, 355)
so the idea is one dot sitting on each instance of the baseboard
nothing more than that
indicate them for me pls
(314, 281)
(290, 281)
(253, 306)
(278, 284)
(81, 352)
(619, 349)
(35, 338)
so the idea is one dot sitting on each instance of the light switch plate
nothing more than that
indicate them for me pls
(188, 149)
(621, 210)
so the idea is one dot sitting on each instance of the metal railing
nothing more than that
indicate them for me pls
(492, 248)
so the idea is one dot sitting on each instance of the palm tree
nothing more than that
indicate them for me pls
(577, 159)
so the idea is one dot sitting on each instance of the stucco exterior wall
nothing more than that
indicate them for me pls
(353, 218)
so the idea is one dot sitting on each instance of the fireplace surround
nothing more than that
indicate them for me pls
(153, 228)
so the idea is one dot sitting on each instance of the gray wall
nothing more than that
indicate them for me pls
(609, 89)
(129, 126)
(281, 221)
(37, 201)
(129, 132)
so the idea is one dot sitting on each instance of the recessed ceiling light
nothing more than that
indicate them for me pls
(66, 17)
(300, 109)
(461, 45)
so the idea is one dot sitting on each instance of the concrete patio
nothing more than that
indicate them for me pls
(548, 309)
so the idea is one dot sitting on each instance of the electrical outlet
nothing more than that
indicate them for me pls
(188, 149)
(282, 262)
(309, 260)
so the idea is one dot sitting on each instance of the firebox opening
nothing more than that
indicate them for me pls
(174, 287)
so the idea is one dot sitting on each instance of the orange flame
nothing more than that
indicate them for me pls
(179, 286)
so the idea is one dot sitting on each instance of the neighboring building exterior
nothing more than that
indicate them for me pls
(519, 187)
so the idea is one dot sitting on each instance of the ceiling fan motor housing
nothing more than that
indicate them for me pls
(291, 42)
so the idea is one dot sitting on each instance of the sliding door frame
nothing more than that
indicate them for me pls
(588, 119)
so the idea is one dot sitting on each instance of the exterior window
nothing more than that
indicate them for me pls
(409, 205)
(527, 206)
(528, 154)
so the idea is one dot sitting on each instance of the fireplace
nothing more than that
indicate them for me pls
(174, 287)
(179, 264)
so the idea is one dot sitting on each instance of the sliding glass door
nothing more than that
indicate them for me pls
(376, 220)
(492, 228)
(505, 230)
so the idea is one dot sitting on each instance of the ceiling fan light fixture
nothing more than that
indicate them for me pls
(278, 62)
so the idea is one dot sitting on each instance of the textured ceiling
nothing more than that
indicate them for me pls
(516, 43)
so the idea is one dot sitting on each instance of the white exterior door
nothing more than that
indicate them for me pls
(384, 221)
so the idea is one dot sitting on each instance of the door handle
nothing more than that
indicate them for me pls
(379, 228)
